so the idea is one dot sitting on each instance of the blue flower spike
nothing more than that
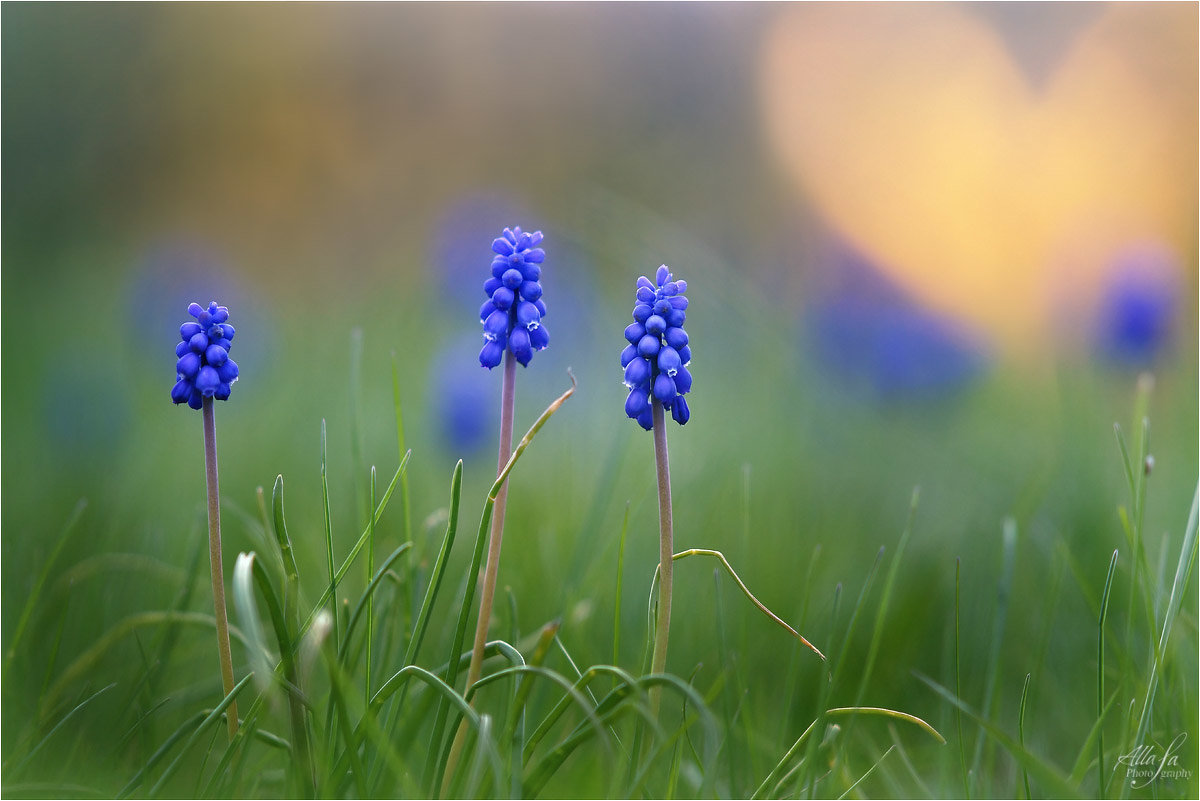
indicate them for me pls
(657, 357)
(512, 314)
(204, 369)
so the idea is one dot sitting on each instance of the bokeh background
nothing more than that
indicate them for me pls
(926, 245)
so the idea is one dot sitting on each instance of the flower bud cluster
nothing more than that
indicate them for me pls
(657, 356)
(512, 314)
(204, 369)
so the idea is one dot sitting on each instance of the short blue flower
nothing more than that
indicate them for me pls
(204, 369)
(658, 354)
(512, 314)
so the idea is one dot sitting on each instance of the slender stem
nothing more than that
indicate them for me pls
(214, 558)
(507, 396)
(662, 625)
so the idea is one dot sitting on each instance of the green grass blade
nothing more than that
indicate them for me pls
(339, 687)
(331, 590)
(1183, 570)
(370, 595)
(34, 594)
(608, 708)
(432, 772)
(162, 751)
(67, 717)
(354, 552)
(1084, 760)
(777, 772)
(720, 557)
(627, 685)
(291, 595)
(400, 448)
(870, 770)
(421, 625)
(1056, 785)
(999, 622)
(211, 718)
(1112, 566)
(891, 713)
(247, 568)
(1021, 731)
(362, 605)
(885, 599)
(86, 662)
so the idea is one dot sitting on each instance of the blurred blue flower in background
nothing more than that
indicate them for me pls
(179, 269)
(454, 249)
(1136, 318)
(175, 270)
(865, 330)
(462, 402)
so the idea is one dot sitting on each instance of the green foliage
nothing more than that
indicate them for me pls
(341, 698)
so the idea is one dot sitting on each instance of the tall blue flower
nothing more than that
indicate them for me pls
(204, 369)
(512, 314)
(658, 354)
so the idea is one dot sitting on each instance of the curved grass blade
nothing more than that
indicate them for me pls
(607, 710)
(1055, 784)
(891, 713)
(475, 775)
(745, 591)
(628, 685)
(556, 678)
(79, 707)
(1021, 731)
(291, 594)
(246, 569)
(211, 718)
(31, 601)
(86, 662)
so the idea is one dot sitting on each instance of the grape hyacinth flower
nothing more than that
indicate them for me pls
(204, 369)
(658, 354)
(656, 373)
(205, 372)
(512, 330)
(512, 314)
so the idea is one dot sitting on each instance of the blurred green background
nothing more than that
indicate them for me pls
(925, 245)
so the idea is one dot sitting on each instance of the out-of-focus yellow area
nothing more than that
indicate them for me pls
(999, 203)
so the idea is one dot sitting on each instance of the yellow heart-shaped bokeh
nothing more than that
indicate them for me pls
(992, 201)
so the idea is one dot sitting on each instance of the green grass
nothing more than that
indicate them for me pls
(955, 664)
